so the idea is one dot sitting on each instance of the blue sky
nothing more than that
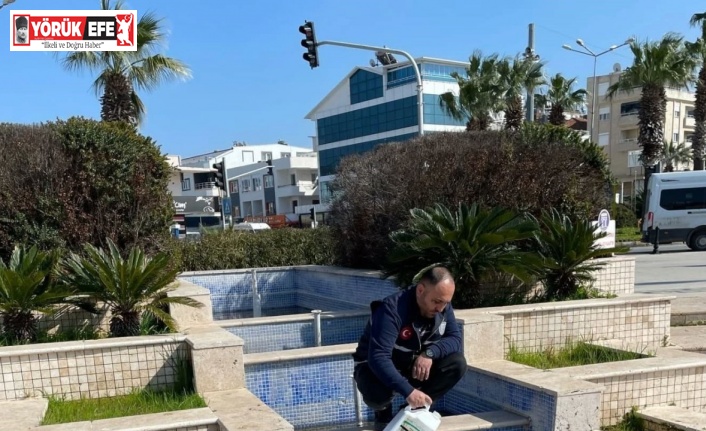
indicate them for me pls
(251, 84)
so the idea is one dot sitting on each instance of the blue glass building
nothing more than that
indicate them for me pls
(377, 105)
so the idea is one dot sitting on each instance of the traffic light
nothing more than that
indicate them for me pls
(309, 42)
(220, 175)
(269, 167)
(312, 213)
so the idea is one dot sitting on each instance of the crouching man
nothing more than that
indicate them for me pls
(411, 345)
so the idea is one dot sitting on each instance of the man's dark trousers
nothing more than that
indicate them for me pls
(444, 374)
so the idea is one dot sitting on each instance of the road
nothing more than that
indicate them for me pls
(675, 270)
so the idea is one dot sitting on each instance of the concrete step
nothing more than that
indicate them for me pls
(22, 414)
(673, 418)
(482, 421)
(466, 422)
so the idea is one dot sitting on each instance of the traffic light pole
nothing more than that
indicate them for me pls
(417, 74)
(223, 192)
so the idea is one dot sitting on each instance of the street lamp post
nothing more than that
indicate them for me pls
(587, 51)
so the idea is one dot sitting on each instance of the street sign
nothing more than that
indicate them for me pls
(226, 206)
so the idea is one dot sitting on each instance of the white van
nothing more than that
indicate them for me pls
(675, 207)
(251, 227)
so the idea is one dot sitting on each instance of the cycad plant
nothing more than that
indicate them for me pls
(128, 286)
(568, 250)
(473, 243)
(28, 286)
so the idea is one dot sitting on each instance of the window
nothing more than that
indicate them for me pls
(256, 184)
(270, 208)
(675, 138)
(246, 185)
(233, 186)
(676, 112)
(690, 114)
(602, 88)
(313, 177)
(604, 114)
(384, 117)
(634, 159)
(295, 203)
(236, 211)
(248, 157)
(630, 108)
(294, 179)
(603, 139)
(266, 155)
(186, 184)
(364, 85)
(693, 198)
(269, 181)
(285, 154)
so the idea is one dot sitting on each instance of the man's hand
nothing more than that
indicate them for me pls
(421, 368)
(418, 399)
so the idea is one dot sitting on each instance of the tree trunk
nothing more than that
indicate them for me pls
(698, 142)
(653, 105)
(20, 326)
(556, 115)
(514, 114)
(116, 102)
(125, 323)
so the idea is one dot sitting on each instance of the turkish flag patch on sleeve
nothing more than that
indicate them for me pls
(406, 333)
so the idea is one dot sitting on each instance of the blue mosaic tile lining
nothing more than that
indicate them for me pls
(538, 405)
(297, 335)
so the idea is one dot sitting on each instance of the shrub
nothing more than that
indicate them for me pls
(79, 181)
(624, 216)
(231, 249)
(528, 171)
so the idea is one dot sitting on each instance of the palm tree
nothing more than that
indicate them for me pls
(121, 72)
(657, 65)
(480, 93)
(698, 48)
(516, 76)
(562, 97)
(474, 244)
(128, 287)
(675, 154)
(28, 286)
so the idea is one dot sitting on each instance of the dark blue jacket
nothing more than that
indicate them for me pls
(390, 342)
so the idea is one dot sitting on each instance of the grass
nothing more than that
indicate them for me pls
(630, 422)
(137, 403)
(580, 353)
(627, 234)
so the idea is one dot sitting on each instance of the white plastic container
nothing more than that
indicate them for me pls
(420, 419)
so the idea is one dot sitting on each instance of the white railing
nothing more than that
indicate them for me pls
(628, 141)
(206, 185)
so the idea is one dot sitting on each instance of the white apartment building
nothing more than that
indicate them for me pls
(616, 128)
(293, 185)
(197, 200)
(196, 197)
(242, 154)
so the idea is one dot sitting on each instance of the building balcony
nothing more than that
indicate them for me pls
(301, 188)
(689, 122)
(628, 120)
(301, 161)
(628, 141)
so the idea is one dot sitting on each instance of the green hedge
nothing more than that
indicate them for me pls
(233, 249)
